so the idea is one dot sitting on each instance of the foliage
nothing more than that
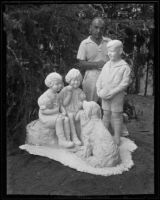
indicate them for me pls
(42, 38)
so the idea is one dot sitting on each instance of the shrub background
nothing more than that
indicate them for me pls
(41, 38)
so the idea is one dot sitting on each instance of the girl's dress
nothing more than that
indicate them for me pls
(77, 96)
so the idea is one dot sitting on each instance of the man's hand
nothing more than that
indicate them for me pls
(100, 64)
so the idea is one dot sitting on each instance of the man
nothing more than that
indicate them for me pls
(92, 55)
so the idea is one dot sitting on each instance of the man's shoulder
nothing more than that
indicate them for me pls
(86, 40)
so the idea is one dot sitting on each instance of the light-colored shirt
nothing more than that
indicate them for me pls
(90, 51)
(114, 78)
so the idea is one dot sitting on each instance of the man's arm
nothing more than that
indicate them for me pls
(86, 65)
(82, 58)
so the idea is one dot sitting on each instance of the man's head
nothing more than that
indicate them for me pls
(97, 27)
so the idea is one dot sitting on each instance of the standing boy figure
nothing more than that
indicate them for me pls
(111, 84)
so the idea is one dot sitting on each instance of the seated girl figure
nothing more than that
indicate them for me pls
(51, 112)
(99, 148)
(111, 85)
(72, 97)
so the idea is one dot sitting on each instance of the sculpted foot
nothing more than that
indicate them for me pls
(77, 141)
(66, 144)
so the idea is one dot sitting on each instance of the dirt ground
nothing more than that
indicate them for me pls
(30, 174)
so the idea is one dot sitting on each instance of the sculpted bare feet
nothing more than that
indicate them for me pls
(66, 144)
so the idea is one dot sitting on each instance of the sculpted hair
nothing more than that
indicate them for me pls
(115, 43)
(54, 76)
(72, 74)
(92, 109)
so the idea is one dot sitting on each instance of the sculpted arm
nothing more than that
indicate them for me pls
(46, 106)
(50, 111)
(67, 96)
(101, 92)
(123, 85)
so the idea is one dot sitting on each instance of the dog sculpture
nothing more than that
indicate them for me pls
(98, 149)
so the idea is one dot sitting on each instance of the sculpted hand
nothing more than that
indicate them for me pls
(109, 96)
(69, 87)
(102, 93)
(64, 113)
(80, 105)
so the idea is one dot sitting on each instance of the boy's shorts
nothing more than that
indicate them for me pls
(115, 104)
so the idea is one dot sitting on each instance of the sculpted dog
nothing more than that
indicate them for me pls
(98, 149)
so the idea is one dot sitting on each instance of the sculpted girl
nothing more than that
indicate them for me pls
(72, 97)
(51, 112)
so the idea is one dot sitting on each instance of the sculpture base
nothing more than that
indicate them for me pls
(70, 159)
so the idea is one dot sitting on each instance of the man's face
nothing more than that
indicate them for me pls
(97, 28)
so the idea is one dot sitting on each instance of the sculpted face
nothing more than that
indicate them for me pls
(114, 53)
(57, 85)
(97, 28)
(75, 83)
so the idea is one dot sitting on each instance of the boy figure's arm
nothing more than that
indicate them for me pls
(100, 90)
(103, 93)
(122, 86)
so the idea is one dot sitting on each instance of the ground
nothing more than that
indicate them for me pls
(30, 174)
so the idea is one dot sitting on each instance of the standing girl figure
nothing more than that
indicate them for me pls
(72, 97)
(51, 113)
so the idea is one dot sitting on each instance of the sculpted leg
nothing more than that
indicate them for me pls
(67, 128)
(73, 130)
(117, 125)
(61, 135)
(106, 118)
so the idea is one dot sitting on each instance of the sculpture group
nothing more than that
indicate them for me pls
(68, 120)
